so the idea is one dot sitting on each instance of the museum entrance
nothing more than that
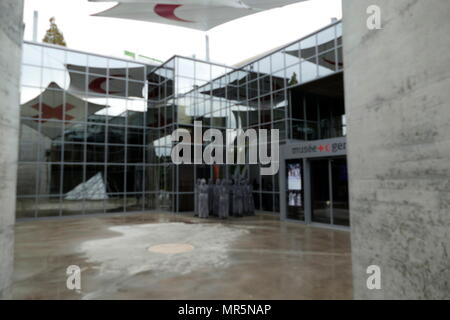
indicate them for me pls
(329, 191)
(295, 190)
(317, 191)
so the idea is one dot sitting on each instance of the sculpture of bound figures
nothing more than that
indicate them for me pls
(196, 196)
(216, 196)
(210, 196)
(249, 197)
(223, 198)
(237, 199)
(203, 202)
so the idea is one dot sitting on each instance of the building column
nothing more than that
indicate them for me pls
(11, 34)
(397, 82)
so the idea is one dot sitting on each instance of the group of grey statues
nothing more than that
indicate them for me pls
(224, 198)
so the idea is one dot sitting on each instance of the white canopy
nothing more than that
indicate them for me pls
(52, 104)
(196, 14)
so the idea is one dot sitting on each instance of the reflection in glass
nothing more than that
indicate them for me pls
(278, 61)
(325, 39)
(54, 58)
(340, 60)
(76, 59)
(292, 54)
(98, 123)
(32, 54)
(31, 76)
(327, 63)
(308, 47)
(309, 70)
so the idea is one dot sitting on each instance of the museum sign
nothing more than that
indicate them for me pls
(319, 148)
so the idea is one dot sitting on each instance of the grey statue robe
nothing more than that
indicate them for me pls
(210, 186)
(245, 203)
(203, 203)
(224, 200)
(237, 200)
(196, 196)
(216, 198)
(251, 202)
(230, 197)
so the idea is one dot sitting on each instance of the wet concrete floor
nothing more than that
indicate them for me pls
(249, 258)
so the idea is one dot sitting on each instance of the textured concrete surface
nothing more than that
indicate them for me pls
(11, 30)
(397, 82)
(250, 258)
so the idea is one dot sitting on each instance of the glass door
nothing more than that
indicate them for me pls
(341, 212)
(320, 191)
(329, 192)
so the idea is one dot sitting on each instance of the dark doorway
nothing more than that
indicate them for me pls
(320, 191)
(329, 192)
(341, 212)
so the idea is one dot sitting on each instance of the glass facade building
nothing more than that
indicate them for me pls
(83, 133)
(96, 131)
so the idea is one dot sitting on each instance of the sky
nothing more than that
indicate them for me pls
(230, 43)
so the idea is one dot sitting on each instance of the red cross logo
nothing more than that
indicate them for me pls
(340, 64)
(324, 148)
(96, 84)
(53, 112)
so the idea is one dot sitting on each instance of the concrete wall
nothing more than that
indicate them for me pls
(397, 85)
(11, 31)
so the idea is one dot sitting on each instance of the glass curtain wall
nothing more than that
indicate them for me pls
(96, 131)
(180, 93)
(83, 134)
(255, 95)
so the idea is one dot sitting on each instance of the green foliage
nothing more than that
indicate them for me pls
(53, 35)
(293, 80)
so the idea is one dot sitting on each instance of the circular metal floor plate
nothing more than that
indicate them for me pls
(171, 248)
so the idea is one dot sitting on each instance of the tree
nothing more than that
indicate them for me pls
(293, 80)
(53, 35)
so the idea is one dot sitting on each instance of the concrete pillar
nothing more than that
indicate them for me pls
(397, 88)
(11, 34)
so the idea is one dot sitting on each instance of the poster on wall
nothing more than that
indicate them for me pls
(294, 177)
(294, 172)
(295, 199)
